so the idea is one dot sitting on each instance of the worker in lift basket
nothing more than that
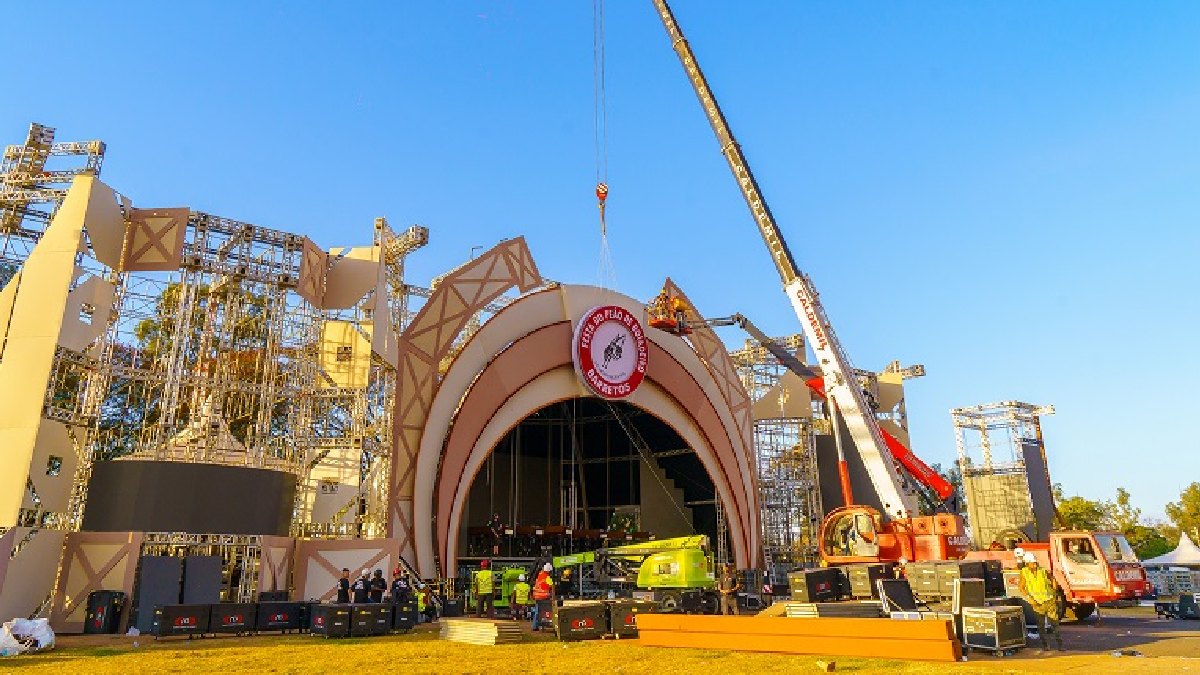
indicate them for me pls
(484, 588)
(1039, 590)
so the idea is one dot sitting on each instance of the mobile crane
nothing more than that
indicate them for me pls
(675, 320)
(853, 533)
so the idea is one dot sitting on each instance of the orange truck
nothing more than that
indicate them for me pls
(1090, 568)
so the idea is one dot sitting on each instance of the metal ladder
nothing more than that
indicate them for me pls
(720, 555)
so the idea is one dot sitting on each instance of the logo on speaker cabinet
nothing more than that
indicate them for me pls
(610, 351)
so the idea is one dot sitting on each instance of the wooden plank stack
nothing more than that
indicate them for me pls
(812, 610)
(481, 631)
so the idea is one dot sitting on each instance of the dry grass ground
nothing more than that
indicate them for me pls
(421, 652)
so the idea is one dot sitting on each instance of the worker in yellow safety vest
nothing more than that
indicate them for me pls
(520, 599)
(483, 587)
(1039, 590)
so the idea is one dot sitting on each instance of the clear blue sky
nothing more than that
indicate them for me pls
(1006, 192)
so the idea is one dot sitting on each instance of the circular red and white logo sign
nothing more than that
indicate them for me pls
(610, 351)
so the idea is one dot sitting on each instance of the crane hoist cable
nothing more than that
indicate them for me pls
(606, 271)
(599, 106)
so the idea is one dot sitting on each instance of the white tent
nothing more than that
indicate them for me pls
(1186, 554)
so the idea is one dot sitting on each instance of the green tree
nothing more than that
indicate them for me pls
(1147, 541)
(1185, 513)
(1123, 516)
(957, 501)
(133, 403)
(1079, 513)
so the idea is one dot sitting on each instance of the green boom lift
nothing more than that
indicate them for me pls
(678, 572)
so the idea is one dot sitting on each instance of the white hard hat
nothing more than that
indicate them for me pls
(1030, 558)
(903, 561)
(1019, 552)
(521, 578)
(366, 572)
(547, 567)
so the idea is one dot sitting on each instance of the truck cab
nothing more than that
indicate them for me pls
(1089, 567)
(1097, 567)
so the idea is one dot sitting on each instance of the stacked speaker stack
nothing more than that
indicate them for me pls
(327, 620)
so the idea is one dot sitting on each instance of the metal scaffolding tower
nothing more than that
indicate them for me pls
(34, 178)
(219, 361)
(786, 459)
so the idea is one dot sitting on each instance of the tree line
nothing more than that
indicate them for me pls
(1148, 537)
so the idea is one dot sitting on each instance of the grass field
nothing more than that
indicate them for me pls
(422, 652)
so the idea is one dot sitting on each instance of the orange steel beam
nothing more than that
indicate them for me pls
(931, 640)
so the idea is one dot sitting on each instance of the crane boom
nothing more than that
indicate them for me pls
(840, 382)
(916, 467)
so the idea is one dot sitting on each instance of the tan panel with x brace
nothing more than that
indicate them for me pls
(427, 339)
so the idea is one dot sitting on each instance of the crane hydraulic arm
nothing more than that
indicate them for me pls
(918, 469)
(840, 381)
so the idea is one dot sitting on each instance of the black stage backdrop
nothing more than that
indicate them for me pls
(149, 496)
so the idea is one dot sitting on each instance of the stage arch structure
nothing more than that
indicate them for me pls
(456, 401)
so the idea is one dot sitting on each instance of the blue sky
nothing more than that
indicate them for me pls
(1004, 192)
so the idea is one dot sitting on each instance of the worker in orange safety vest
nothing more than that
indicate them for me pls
(543, 594)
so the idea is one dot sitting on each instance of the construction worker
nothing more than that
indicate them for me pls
(566, 584)
(420, 593)
(519, 600)
(483, 587)
(401, 590)
(728, 586)
(1039, 590)
(362, 588)
(429, 607)
(496, 529)
(343, 586)
(543, 594)
(379, 585)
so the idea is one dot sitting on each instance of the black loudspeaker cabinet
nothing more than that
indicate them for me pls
(923, 577)
(273, 596)
(993, 578)
(822, 584)
(993, 628)
(362, 620)
(281, 616)
(233, 617)
(622, 616)
(404, 615)
(331, 620)
(947, 572)
(452, 608)
(172, 620)
(306, 613)
(382, 619)
(201, 579)
(104, 612)
(862, 579)
(692, 602)
(547, 614)
(580, 622)
(158, 583)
